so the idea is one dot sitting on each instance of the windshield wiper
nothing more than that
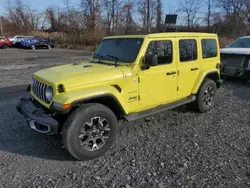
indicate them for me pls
(114, 57)
(100, 57)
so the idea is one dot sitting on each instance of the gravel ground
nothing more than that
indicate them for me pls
(17, 65)
(178, 148)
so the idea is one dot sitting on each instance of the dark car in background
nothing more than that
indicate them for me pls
(4, 42)
(235, 59)
(34, 43)
(17, 38)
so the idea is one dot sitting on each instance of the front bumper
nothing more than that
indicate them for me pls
(37, 118)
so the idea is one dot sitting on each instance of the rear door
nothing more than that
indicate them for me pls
(188, 65)
(40, 43)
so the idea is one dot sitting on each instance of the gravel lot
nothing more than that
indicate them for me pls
(178, 148)
(17, 65)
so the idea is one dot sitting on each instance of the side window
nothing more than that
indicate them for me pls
(163, 49)
(209, 48)
(188, 50)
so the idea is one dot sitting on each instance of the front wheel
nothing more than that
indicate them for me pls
(89, 131)
(206, 96)
(49, 47)
(5, 46)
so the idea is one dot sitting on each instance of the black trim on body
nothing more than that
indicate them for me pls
(92, 98)
(37, 117)
(158, 109)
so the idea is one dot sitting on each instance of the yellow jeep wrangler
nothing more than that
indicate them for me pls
(128, 77)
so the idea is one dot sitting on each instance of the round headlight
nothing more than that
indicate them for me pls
(49, 93)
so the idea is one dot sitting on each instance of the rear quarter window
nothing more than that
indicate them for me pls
(209, 48)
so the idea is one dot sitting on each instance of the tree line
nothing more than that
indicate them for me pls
(93, 18)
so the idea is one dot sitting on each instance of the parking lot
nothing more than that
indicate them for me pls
(177, 148)
(17, 65)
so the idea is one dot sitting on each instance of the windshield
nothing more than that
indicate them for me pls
(124, 49)
(241, 43)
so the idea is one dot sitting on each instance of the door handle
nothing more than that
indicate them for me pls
(171, 73)
(194, 69)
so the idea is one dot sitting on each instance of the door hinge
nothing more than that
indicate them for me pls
(139, 80)
(139, 97)
(178, 88)
(178, 72)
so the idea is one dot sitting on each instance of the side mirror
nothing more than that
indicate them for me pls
(151, 60)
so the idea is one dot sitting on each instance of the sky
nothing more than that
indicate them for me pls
(168, 5)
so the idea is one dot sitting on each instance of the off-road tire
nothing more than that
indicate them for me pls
(33, 47)
(74, 123)
(199, 104)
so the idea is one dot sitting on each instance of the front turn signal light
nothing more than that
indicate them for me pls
(65, 106)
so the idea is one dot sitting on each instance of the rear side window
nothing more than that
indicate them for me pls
(188, 50)
(163, 49)
(209, 48)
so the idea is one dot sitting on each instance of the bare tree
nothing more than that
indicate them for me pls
(142, 12)
(92, 10)
(111, 9)
(22, 15)
(231, 7)
(147, 11)
(57, 18)
(126, 18)
(191, 9)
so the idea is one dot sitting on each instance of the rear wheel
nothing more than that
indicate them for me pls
(89, 131)
(33, 47)
(206, 96)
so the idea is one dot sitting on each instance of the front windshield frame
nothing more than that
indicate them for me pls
(236, 43)
(106, 59)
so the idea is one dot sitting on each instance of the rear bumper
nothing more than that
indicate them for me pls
(37, 118)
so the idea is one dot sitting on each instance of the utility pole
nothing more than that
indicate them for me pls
(209, 15)
(1, 25)
(149, 18)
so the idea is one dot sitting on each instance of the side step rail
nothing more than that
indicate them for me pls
(158, 109)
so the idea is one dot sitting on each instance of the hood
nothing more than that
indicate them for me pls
(241, 51)
(73, 76)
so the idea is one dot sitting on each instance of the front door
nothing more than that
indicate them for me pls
(158, 84)
(188, 65)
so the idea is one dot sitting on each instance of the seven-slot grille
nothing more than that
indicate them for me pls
(39, 90)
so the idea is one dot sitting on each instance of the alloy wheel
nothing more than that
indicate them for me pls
(94, 133)
(208, 96)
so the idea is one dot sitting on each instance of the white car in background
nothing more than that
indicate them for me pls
(18, 38)
(235, 58)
